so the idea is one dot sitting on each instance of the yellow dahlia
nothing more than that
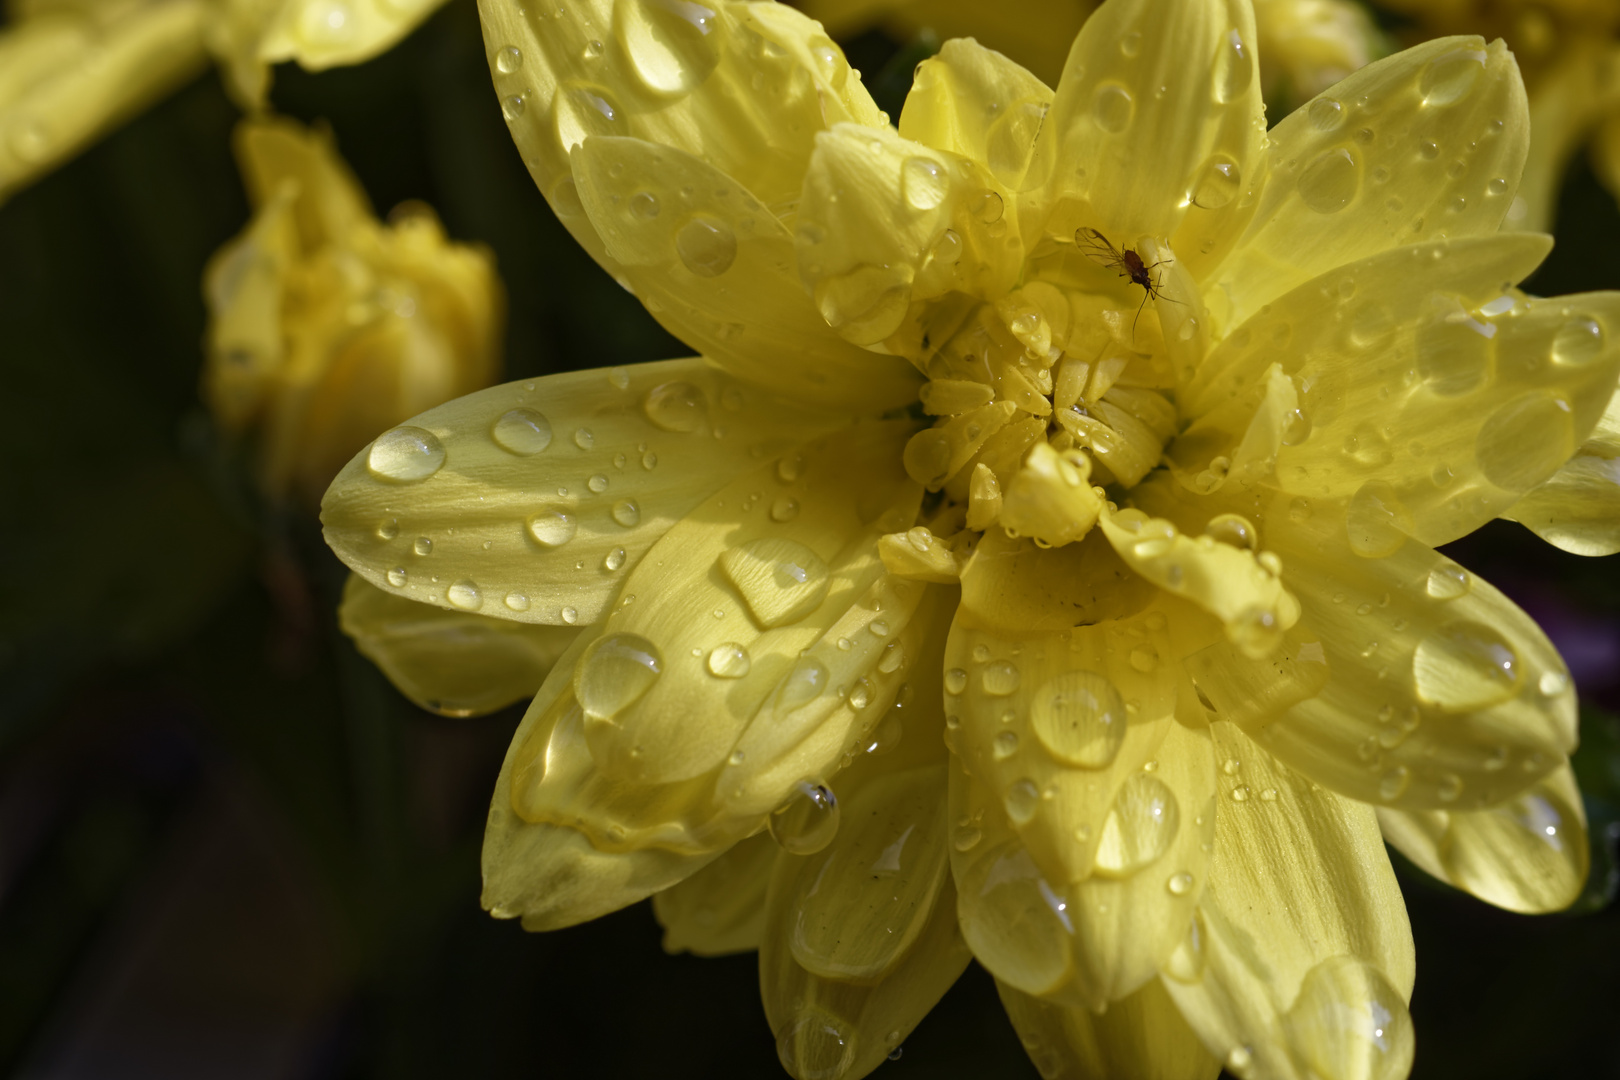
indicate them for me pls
(1039, 564)
(72, 70)
(326, 325)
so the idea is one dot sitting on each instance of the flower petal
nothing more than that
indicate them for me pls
(1446, 403)
(452, 662)
(1426, 143)
(975, 102)
(717, 268)
(1571, 96)
(1142, 837)
(1578, 508)
(1438, 692)
(1141, 1036)
(568, 480)
(1528, 854)
(68, 74)
(1300, 962)
(721, 908)
(1153, 97)
(1013, 586)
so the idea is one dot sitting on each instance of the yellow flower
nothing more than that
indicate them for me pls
(1305, 45)
(1039, 566)
(327, 326)
(71, 70)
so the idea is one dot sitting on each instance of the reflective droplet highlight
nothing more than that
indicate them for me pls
(405, 454)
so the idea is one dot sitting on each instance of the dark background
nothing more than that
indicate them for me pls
(229, 849)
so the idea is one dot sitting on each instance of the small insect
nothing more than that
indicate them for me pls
(1129, 264)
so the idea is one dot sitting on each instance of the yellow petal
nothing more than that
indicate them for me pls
(1142, 837)
(1578, 508)
(568, 479)
(321, 34)
(1439, 693)
(1528, 854)
(1308, 45)
(278, 155)
(69, 74)
(1050, 499)
(1300, 962)
(1035, 33)
(977, 103)
(1571, 95)
(1014, 586)
(721, 908)
(1154, 97)
(1141, 1036)
(453, 662)
(717, 268)
(1427, 142)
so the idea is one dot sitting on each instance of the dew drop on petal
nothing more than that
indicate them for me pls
(508, 60)
(405, 454)
(816, 1044)
(1349, 1022)
(1448, 581)
(627, 513)
(676, 406)
(1464, 666)
(923, 183)
(807, 821)
(1577, 343)
(522, 432)
(552, 527)
(955, 681)
(707, 246)
(1021, 802)
(516, 601)
(1233, 69)
(614, 559)
(729, 661)
(1140, 826)
(1450, 78)
(1112, 107)
(397, 577)
(614, 673)
(1080, 717)
(465, 595)
(1000, 678)
(1525, 440)
(1329, 182)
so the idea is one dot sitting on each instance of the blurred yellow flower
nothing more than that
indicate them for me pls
(327, 326)
(1305, 45)
(71, 70)
(1042, 553)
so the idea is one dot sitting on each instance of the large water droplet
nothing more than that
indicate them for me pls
(1325, 114)
(670, 43)
(465, 595)
(1524, 441)
(627, 513)
(1451, 77)
(397, 577)
(729, 661)
(1139, 828)
(1000, 678)
(1113, 107)
(614, 673)
(1349, 1023)
(1080, 717)
(1464, 666)
(806, 682)
(1329, 183)
(1577, 343)
(405, 454)
(1232, 70)
(807, 822)
(582, 111)
(1453, 347)
(1219, 179)
(1376, 521)
(816, 1046)
(1021, 802)
(1447, 581)
(552, 527)
(508, 60)
(706, 245)
(923, 182)
(780, 580)
(676, 406)
(1234, 530)
(522, 432)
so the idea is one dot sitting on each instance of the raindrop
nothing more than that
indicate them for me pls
(706, 245)
(1232, 70)
(1000, 678)
(1021, 802)
(1180, 884)
(465, 595)
(967, 837)
(1376, 522)
(784, 509)
(552, 527)
(405, 454)
(644, 204)
(780, 580)
(1447, 581)
(807, 822)
(729, 661)
(1578, 342)
(1080, 717)
(1349, 1023)
(1329, 183)
(1450, 78)
(597, 483)
(516, 601)
(508, 60)
(1234, 530)
(1112, 107)
(1524, 441)
(1004, 745)
(1325, 114)
(396, 577)
(627, 513)
(423, 546)
(1218, 181)
(583, 438)
(1139, 828)
(923, 182)
(522, 432)
(1465, 666)
(614, 673)
(614, 559)
(955, 681)
(814, 1044)
(676, 406)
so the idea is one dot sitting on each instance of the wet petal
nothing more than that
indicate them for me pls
(321, 34)
(1447, 403)
(1300, 961)
(541, 496)
(1141, 1036)
(1421, 145)
(975, 102)
(1528, 854)
(721, 908)
(1151, 95)
(67, 75)
(1014, 586)
(1438, 692)
(453, 662)
(1103, 929)
(1578, 508)
(717, 268)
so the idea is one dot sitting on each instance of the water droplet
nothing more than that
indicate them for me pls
(671, 46)
(423, 546)
(1219, 179)
(955, 681)
(1234, 530)
(1553, 683)
(1004, 745)
(516, 601)
(1080, 717)
(1139, 828)
(405, 454)
(1325, 114)
(879, 628)
(396, 577)
(1393, 784)
(465, 595)
(1233, 69)
(1349, 1023)
(1112, 107)
(1256, 631)
(988, 207)
(784, 509)
(644, 204)
(522, 432)
(1240, 793)
(807, 822)
(512, 107)
(780, 580)
(1145, 658)
(1131, 44)
(1180, 884)
(1465, 666)
(614, 559)
(676, 406)
(1376, 522)
(1239, 1060)
(1525, 440)
(790, 468)
(1231, 766)
(1578, 342)
(1329, 183)
(508, 60)
(1000, 678)
(806, 682)
(706, 245)
(815, 1045)
(966, 837)
(627, 513)
(1447, 581)
(614, 673)
(552, 527)
(582, 111)
(729, 661)
(597, 483)
(1451, 77)
(1021, 802)
(923, 182)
